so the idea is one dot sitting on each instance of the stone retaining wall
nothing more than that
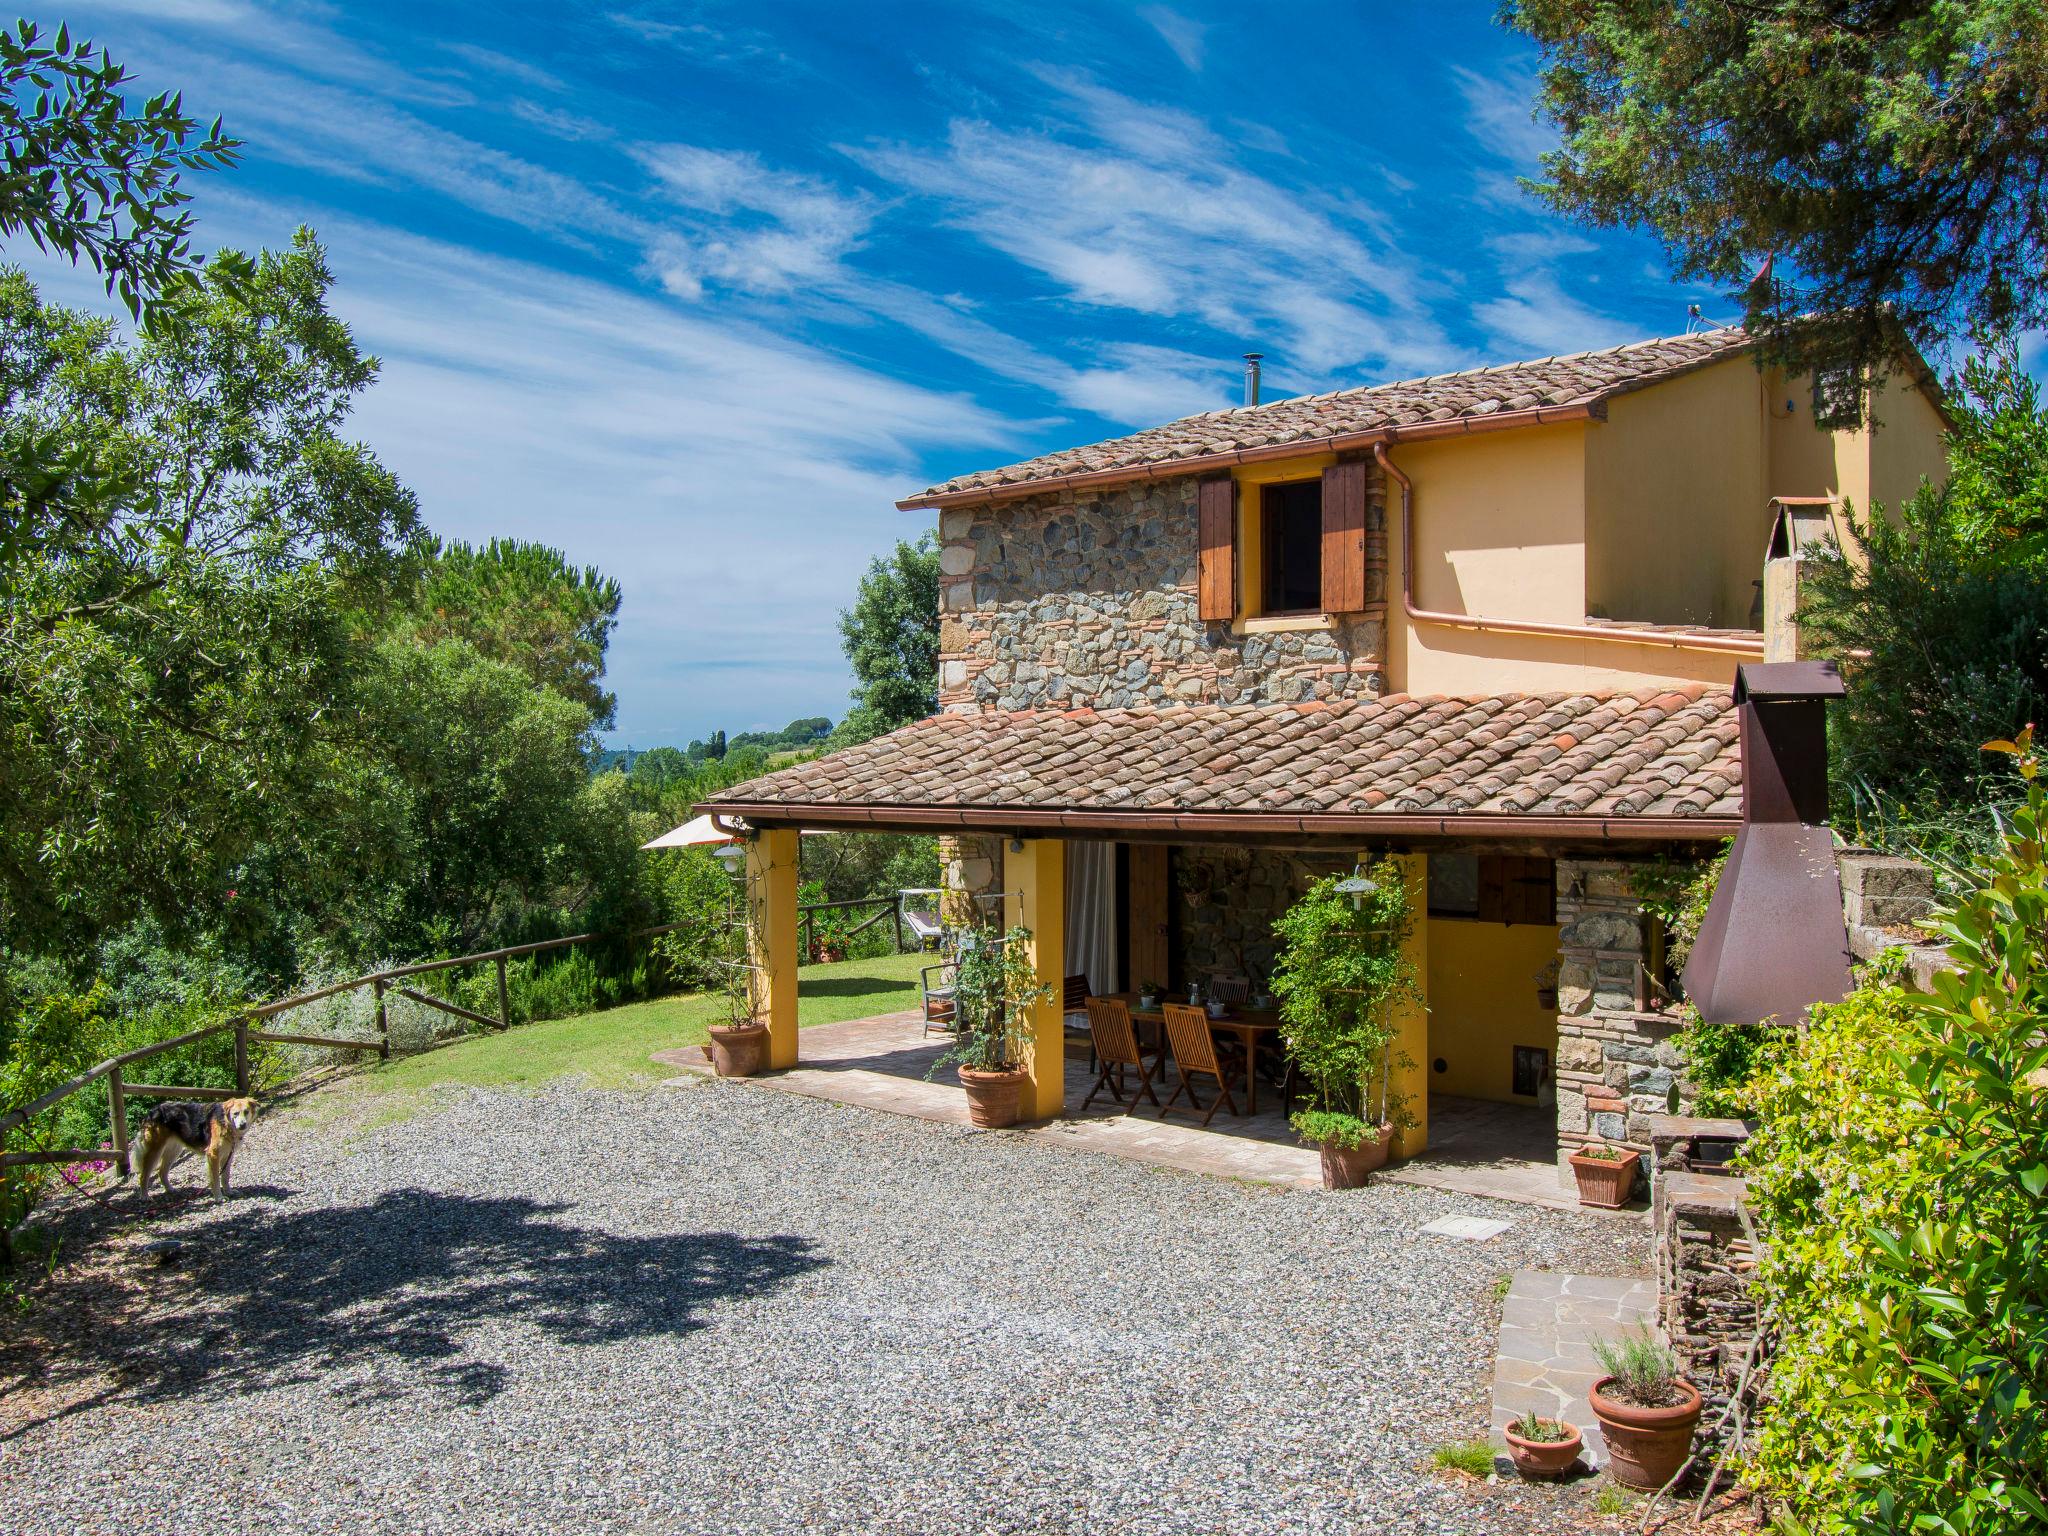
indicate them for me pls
(1086, 599)
(1705, 1263)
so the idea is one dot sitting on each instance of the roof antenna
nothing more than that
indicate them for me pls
(1251, 376)
(1694, 320)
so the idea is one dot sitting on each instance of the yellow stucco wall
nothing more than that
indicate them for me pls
(1907, 446)
(1658, 515)
(1482, 1003)
(1885, 461)
(1678, 468)
(1502, 522)
(1501, 531)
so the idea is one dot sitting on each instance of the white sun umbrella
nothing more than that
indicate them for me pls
(702, 831)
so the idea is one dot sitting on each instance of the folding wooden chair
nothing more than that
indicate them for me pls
(1116, 1047)
(1194, 1052)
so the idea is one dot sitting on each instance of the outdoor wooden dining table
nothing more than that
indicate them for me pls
(1250, 1025)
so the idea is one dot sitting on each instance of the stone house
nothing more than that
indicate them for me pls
(1487, 623)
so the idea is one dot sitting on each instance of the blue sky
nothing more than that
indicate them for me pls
(695, 292)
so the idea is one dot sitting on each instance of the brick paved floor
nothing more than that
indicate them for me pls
(1504, 1151)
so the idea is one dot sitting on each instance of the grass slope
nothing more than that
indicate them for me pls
(611, 1049)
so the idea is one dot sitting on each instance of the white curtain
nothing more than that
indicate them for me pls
(1091, 914)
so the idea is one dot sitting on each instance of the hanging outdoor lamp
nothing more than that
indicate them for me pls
(1357, 887)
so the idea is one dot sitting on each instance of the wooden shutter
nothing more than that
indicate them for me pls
(1344, 537)
(1216, 562)
(1517, 890)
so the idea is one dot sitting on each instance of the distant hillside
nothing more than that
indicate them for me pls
(797, 736)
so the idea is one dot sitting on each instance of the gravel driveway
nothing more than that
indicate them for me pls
(713, 1308)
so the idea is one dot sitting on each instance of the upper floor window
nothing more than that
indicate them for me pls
(1289, 550)
(1291, 516)
(1838, 397)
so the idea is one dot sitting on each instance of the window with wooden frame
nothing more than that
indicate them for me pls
(1493, 888)
(1283, 547)
(1291, 536)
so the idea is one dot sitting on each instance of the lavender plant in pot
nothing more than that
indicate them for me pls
(994, 993)
(1342, 970)
(1647, 1411)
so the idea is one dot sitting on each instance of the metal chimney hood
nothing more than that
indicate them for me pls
(1773, 941)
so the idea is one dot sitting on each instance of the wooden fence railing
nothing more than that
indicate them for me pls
(114, 1070)
(892, 906)
(120, 1088)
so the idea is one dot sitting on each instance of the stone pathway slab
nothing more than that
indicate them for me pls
(1545, 1362)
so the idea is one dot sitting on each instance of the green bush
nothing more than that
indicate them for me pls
(1899, 1174)
(1723, 1062)
(1342, 970)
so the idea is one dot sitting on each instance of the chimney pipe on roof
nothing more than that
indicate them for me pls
(1251, 377)
(1773, 941)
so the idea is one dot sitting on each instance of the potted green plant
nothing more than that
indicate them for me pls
(739, 1041)
(1542, 1447)
(1148, 995)
(1647, 1411)
(1606, 1174)
(1342, 969)
(994, 993)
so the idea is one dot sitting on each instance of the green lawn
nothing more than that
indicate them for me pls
(611, 1049)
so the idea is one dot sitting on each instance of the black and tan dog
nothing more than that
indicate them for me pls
(214, 1129)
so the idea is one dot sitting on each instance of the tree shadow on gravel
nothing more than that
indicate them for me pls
(383, 1300)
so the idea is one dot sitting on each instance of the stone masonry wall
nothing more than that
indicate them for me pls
(1706, 1264)
(973, 866)
(1228, 899)
(1616, 1063)
(1086, 599)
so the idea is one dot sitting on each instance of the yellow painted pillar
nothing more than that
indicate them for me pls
(771, 936)
(1411, 1020)
(1039, 876)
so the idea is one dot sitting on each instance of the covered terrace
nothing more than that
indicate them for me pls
(1179, 812)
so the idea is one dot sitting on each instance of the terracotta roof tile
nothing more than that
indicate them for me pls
(1581, 379)
(1658, 752)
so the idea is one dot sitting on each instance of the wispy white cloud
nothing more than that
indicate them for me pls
(1500, 114)
(496, 63)
(572, 126)
(760, 230)
(1144, 208)
(1536, 316)
(721, 45)
(1185, 37)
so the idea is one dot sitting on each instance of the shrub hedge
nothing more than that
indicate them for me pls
(1899, 1174)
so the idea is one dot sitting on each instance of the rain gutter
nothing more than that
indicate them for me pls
(1472, 825)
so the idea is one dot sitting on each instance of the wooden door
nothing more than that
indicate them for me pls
(1147, 925)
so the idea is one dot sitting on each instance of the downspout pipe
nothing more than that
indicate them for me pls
(1727, 645)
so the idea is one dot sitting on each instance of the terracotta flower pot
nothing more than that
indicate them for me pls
(1544, 1458)
(1348, 1167)
(739, 1052)
(992, 1096)
(1605, 1182)
(1645, 1446)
